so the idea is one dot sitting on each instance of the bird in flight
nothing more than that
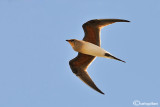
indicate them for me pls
(89, 48)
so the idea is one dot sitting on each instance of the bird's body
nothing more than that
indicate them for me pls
(89, 48)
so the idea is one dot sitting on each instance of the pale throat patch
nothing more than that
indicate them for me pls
(71, 43)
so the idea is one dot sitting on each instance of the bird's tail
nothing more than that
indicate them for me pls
(113, 57)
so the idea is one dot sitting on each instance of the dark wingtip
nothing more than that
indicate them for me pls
(127, 21)
(122, 20)
(100, 91)
(84, 76)
(124, 61)
(115, 20)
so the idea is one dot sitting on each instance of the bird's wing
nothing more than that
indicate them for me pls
(79, 67)
(92, 29)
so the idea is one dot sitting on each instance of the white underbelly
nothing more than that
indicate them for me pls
(91, 49)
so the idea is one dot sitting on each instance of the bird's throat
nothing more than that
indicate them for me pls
(71, 43)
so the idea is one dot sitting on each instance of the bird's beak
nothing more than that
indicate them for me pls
(71, 43)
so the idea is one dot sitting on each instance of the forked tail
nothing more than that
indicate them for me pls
(113, 57)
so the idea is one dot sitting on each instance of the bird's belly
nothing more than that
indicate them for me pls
(94, 50)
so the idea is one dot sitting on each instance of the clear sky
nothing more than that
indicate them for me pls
(34, 69)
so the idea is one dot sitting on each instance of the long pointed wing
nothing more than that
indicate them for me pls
(92, 29)
(84, 76)
(79, 65)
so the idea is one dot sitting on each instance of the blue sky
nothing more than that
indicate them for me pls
(34, 69)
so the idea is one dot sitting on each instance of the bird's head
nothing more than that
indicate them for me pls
(76, 44)
(71, 42)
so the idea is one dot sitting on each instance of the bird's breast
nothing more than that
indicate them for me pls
(91, 49)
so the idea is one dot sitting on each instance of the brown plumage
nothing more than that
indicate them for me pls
(80, 63)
